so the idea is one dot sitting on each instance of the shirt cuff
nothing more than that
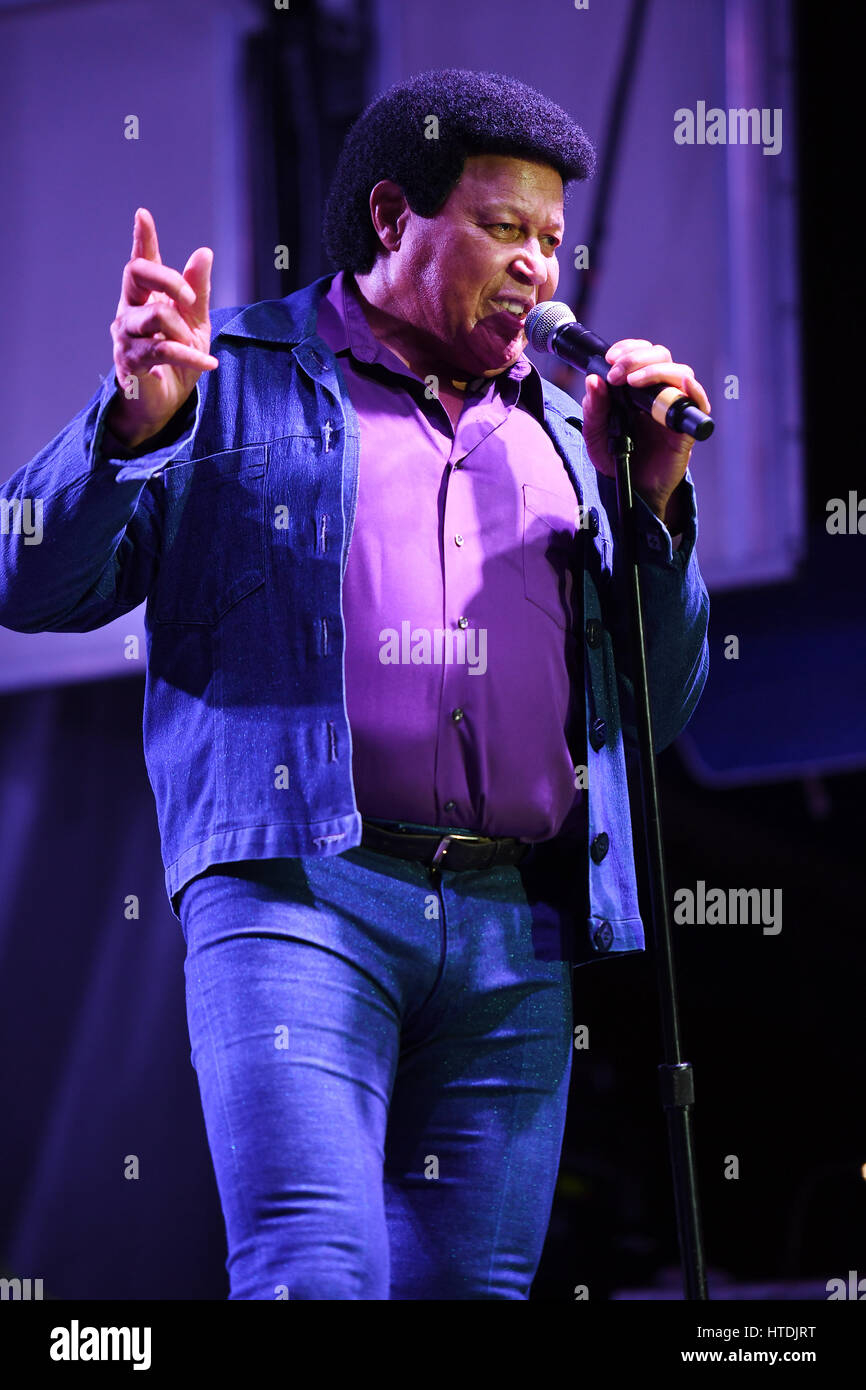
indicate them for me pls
(655, 543)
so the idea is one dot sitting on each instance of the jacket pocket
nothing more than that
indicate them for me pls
(213, 546)
(549, 552)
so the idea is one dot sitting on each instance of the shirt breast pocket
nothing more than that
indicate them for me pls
(549, 552)
(213, 546)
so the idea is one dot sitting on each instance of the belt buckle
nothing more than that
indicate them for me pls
(441, 851)
(442, 848)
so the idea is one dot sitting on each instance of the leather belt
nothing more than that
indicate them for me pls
(441, 848)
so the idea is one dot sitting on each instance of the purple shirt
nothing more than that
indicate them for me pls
(460, 656)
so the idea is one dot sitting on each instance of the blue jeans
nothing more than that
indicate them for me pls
(384, 1072)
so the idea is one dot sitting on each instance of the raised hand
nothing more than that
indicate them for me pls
(161, 335)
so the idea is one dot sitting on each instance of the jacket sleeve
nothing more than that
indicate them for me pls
(676, 610)
(80, 542)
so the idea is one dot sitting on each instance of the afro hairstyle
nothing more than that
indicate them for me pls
(477, 113)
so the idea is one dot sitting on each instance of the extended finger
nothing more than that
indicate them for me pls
(140, 354)
(144, 239)
(141, 277)
(160, 316)
(196, 273)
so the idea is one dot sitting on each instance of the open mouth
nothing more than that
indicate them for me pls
(509, 320)
(511, 309)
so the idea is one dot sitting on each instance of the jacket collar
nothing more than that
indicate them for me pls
(288, 320)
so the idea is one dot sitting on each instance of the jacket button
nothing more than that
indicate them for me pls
(603, 937)
(592, 521)
(593, 632)
(597, 733)
(457, 714)
(449, 805)
(599, 847)
(462, 622)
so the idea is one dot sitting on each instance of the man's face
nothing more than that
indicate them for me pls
(494, 239)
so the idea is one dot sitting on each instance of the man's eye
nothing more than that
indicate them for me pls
(511, 227)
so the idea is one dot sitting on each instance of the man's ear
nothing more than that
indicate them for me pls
(390, 212)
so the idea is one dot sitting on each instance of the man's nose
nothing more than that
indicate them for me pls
(531, 262)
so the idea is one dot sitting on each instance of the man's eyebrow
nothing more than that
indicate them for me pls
(503, 205)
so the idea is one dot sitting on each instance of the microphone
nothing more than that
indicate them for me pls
(552, 327)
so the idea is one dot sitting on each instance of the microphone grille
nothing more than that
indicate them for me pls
(543, 321)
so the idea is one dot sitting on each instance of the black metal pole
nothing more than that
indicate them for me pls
(675, 1076)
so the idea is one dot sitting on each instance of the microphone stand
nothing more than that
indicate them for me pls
(675, 1076)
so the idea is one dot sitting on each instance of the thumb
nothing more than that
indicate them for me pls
(595, 421)
(594, 403)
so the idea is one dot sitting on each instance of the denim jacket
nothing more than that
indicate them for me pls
(234, 526)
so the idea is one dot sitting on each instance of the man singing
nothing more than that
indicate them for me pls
(386, 855)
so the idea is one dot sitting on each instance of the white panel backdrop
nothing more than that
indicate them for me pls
(700, 254)
(701, 247)
(69, 74)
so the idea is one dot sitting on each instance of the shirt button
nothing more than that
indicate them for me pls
(457, 714)
(603, 937)
(593, 632)
(653, 541)
(462, 622)
(449, 805)
(599, 847)
(458, 540)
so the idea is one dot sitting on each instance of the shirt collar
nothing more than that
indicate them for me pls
(342, 324)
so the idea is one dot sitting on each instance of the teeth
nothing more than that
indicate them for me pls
(513, 307)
